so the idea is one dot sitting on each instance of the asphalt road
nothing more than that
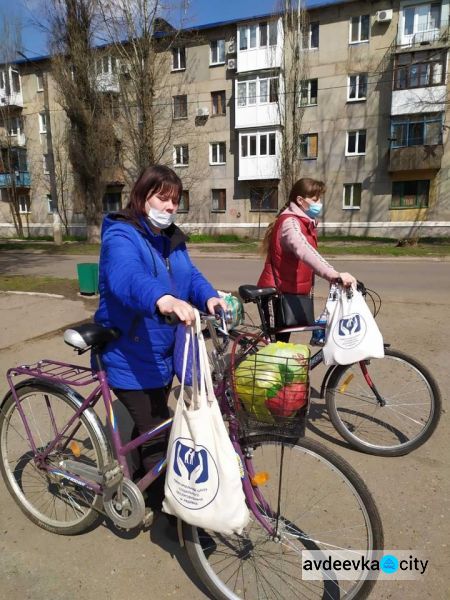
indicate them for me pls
(412, 492)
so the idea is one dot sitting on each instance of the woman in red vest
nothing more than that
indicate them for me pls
(291, 245)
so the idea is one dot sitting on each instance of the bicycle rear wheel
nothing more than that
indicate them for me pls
(412, 404)
(319, 503)
(51, 501)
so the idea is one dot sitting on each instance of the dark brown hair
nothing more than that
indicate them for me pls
(156, 179)
(304, 187)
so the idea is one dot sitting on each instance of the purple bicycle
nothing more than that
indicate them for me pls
(66, 474)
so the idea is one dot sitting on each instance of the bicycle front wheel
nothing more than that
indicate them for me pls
(406, 418)
(49, 500)
(314, 501)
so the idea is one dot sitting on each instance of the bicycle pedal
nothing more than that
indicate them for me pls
(148, 518)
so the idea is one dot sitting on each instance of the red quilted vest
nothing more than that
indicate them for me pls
(283, 270)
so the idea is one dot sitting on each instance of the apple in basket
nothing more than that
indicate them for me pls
(288, 400)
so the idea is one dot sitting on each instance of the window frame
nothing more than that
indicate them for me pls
(18, 129)
(42, 122)
(416, 206)
(179, 53)
(46, 166)
(313, 27)
(39, 87)
(221, 200)
(410, 120)
(357, 98)
(359, 40)
(308, 137)
(174, 101)
(271, 41)
(308, 85)
(406, 68)
(183, 151)
(214, 152)
(213, 63)
(352, 187)
(222, 99)
(50, 207)
(182, 209)
(258, 135)
(257, 80)
(27, 205)
(358, 133)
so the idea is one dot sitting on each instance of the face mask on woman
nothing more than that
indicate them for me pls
(160, 218)
(314, 210)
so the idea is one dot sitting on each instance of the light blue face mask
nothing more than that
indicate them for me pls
(314, 210)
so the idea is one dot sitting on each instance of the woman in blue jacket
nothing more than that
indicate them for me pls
(146, 273)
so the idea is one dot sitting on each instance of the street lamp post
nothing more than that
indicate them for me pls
(57, 230)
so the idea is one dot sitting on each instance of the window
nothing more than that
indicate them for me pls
(50, 205)
(181, 155)
(2, 80)
(24, 205)
(107, 65)
(183, 207)
(46, 164)
(218, 103)
(311, 37)
(39, 82)
(308, 92)
(258, 144)
(219, 200)
(14, 126)
(42, 122)
(112, 200)
(419, 69)
(416, 130)
(357, 87)
(356, 142)
(217, 52)
(264, 199)
(257, 91)
(217, 153)
(180, 107)
(422, 21)
(410, 194)
(178, 59)
(359, 29)
(308, 145)
(352, 196)
(258, 35)
(15, 81)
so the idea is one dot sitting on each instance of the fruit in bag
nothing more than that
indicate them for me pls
(288, 400)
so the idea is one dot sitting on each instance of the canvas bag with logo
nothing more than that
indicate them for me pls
(351, 334)
(203, 482)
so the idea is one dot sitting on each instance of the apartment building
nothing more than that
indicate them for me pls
(373, 98)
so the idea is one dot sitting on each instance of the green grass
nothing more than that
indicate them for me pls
(33, 283)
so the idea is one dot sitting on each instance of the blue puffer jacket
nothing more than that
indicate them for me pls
(137, 267)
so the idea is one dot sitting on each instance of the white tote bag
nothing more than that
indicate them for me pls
(203, 482)
(351, 334)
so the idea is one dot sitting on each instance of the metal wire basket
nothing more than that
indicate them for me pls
(271, 388)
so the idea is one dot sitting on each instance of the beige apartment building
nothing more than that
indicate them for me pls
(374, 105)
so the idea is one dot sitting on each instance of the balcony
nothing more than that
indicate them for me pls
(13, 99)
(419, 100)
(260, 46)
(10, 88)
(423, 37)
(108, 82)
(18, 179)
(416, 158)
(258, 167)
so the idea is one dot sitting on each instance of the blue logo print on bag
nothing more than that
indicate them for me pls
(350, 325)
(191, 463)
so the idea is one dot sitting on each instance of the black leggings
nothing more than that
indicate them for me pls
(147, 408)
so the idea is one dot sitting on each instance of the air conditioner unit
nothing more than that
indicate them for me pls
(231, 47)
(383, 16)
(202, 112)
(125, 68)
(231, 63)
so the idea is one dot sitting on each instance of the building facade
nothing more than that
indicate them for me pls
(374, 105)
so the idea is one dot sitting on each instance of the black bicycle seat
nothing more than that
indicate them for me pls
(250, 293)
(90, 334)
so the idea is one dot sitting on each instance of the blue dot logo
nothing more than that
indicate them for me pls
(389, 564)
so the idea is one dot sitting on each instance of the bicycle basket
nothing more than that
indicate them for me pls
(271, 388)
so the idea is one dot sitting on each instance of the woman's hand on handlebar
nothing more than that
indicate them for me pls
(347, 280)
(183, 310)
(215, 305)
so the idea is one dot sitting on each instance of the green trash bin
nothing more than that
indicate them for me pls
(88, 278)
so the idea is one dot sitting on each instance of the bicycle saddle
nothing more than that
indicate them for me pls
(250, 293)
(90, 334)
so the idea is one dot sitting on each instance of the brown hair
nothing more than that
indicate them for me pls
(156, 179)
(305, 187)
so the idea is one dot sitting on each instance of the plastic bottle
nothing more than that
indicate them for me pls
(318, 336)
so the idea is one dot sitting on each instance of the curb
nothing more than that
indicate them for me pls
(46, 335)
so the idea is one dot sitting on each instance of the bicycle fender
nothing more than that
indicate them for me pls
(76, 399)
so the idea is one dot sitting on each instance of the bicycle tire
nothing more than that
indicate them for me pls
(383, 430)
(64, 499)
(201, 546)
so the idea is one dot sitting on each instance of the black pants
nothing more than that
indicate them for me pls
(147, 408)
